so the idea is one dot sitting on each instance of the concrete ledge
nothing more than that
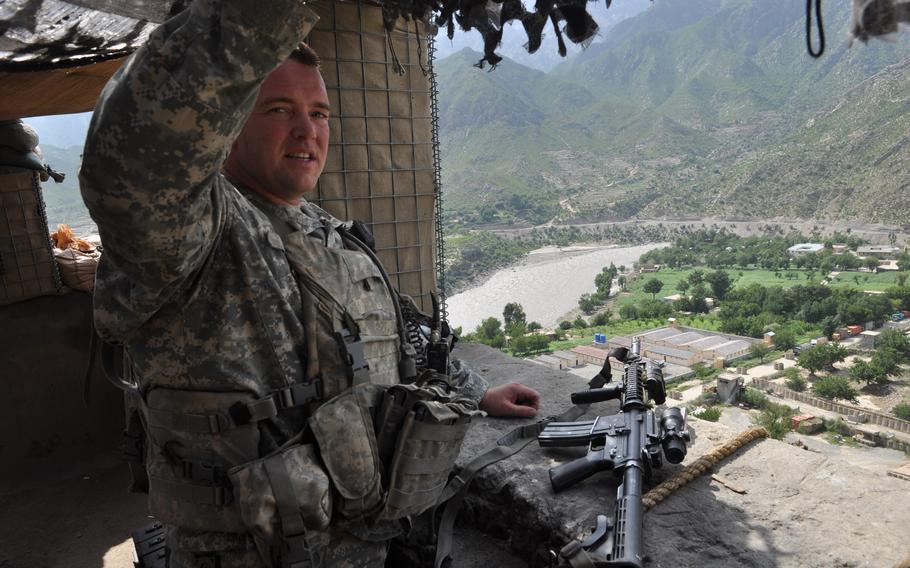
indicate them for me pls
(801, 508)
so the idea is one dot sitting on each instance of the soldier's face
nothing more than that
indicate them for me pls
(282, 148)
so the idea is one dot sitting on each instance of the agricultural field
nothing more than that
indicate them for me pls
(878, 282)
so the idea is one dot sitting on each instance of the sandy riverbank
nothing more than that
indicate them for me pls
(547, 283)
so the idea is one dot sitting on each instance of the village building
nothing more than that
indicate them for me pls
(554, 363)
(569, 359)
(802, 249)
(883, 252)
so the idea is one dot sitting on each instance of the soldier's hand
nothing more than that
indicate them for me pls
(513, 399)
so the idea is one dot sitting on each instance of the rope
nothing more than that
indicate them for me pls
(701, 465)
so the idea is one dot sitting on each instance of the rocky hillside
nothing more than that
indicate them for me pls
(694, 108)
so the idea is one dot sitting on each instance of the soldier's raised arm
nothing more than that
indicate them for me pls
(164, 125)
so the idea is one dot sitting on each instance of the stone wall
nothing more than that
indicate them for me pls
(872, 416)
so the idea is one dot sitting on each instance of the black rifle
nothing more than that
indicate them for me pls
(628, 444)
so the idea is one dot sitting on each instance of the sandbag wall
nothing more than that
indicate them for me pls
(27, 267)
(380, 164)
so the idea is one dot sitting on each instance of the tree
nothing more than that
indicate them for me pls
(580, 323)
(490, 332)
(528, 344)
(759, 350)
(534, 326)
(622, 282)
(653, 286)
(587, 304)
(784, 339)
(565, 324)
(603, 281)
(863, 372)
(872, 263)
(886, 363)
(682, 286)
(602, 318)
(628, 312)
(902, 411)
(720, 283)
(820, 357)
(696, 277)
(513, 313)
(896, 341)
(795, 381)
(835, 387)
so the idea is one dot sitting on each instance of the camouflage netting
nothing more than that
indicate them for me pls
(37, 34)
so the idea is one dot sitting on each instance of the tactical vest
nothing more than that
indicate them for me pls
(374, 451)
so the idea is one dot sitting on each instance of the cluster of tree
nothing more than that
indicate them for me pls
(589, 303)
(515, 326)
(698, 286)
(723, 249)
(750, 310)
(819, 357)
(647, 309)
(835, 387)
(892, 350)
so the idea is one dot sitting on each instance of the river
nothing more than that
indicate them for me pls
(547, 283)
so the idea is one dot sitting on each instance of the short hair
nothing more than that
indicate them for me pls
(305, 54)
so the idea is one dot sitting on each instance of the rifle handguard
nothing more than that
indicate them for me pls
(610, 392)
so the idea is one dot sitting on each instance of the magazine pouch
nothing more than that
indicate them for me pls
(343, 428)
(283, 494)
(427, 443)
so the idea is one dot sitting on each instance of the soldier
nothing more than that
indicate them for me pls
(245, 309)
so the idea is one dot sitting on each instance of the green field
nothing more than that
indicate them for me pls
(867, 281)
(672, 277)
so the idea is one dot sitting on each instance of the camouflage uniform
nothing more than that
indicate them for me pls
(194, 279)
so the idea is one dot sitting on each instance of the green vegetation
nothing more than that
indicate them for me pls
(902, 410)
(775, 418)
(820, 357)
(877, 282)
(837, 426)
(754, 398)
(795, 380)
(711, 414)
(759, 350)
(835, 387)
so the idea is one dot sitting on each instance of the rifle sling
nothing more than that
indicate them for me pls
(506, 446)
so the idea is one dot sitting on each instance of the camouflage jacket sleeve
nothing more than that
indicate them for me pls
(472, 385)
(164, 125)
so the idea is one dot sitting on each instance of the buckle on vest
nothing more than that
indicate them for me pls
(351, 347)
(203, 472)
(298, 394)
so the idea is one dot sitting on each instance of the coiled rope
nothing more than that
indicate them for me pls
(701, 465)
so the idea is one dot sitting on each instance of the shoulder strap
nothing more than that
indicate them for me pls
(505, 447)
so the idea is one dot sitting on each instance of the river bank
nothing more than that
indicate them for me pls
(547, 283)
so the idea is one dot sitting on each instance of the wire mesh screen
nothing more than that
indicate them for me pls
(380, 164)
(27, 266)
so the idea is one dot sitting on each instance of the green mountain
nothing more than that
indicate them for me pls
(63, 202)
(694, 108)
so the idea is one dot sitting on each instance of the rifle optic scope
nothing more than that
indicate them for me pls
(673, 426)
